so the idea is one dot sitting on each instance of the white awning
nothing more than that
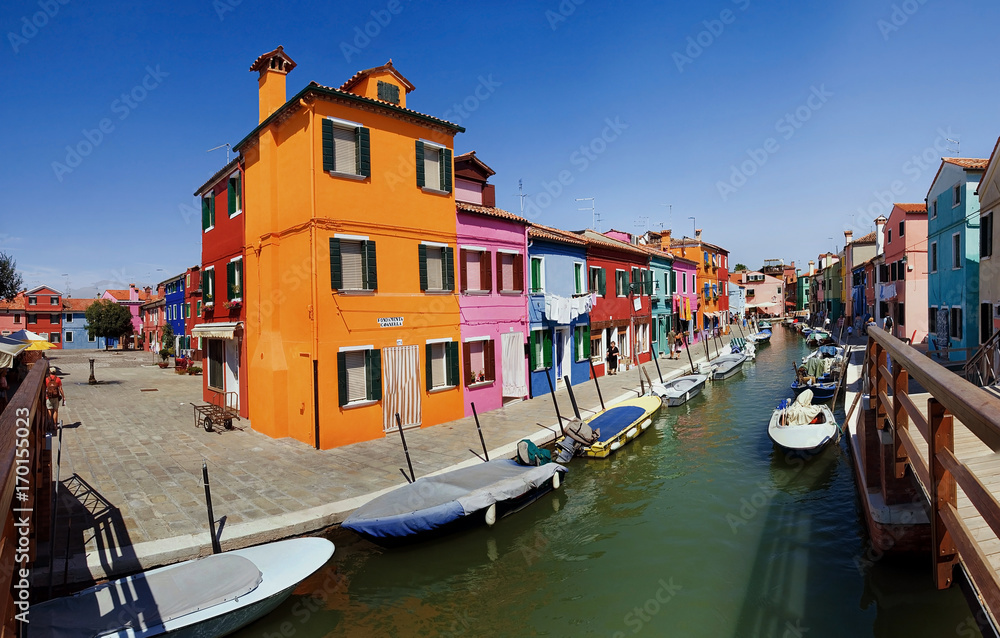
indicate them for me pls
(9, 348)
(222, 330)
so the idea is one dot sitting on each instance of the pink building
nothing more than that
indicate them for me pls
(765, 294)
(906, 261)
(12, 315)
(131, 298)
(685, 287)
(493, 245)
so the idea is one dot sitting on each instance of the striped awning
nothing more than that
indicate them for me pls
(221, 330)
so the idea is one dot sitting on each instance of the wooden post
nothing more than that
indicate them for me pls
(901, 421)
(943, 492)
(881, 360)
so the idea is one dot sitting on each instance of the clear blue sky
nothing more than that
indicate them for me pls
(868, 84)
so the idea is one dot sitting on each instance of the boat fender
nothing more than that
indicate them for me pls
(646, 423)
(491, 515)
(555, 481)
(632, 433)
(615, 446)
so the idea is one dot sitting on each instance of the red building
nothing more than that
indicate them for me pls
(43, 313)
(194, 312)
(620, 275)
(221, 329)
(152, 316)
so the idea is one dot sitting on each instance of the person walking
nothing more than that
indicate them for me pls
(678, 344)
(671, 337)
(612, 358)
(53, 396)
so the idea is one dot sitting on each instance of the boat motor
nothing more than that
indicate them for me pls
(578, 435)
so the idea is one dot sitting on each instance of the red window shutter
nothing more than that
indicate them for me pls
(467, 365)
(462, 253)
(490, 360)
(519, 273)
(485, 271)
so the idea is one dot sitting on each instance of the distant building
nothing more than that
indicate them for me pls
(989, 268)
(131, 298)
(12, 314)
(75, 333)
(175, 309)
(713, 277)
(764, 294)
(153, 316)
(906, 260)
(43, 313)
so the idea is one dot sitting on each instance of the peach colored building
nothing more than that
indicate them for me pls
(906, 261)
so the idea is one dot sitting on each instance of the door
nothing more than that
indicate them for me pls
(401, 386)
(562, 353)
(232, 373)
(985, 322)
(512, 364)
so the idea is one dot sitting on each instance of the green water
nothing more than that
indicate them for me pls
(699, 528)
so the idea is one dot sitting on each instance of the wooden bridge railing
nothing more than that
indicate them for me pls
(942, 473)
(25, 495)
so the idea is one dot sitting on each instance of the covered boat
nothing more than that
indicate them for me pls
(819, 338)
(435, 505)
(681, 390)
(763, 336)
(608, 431)
(727, 365)
(206, 597)
(821, 391)
(765, 325)
(802, 427)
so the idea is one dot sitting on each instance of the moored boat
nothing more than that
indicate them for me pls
(206, 597)
(727, 366)
(764, 336)
(608, 431)
(801, 427)
(435, 505)
(821, 392)
(680, 390)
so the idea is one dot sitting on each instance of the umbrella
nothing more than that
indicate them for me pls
(25, 335)
(10, 348)
(39, 345)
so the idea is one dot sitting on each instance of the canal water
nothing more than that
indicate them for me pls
(698, 528)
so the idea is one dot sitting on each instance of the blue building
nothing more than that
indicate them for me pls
(953, 255)
(859, 283)
(75, 335)
(661, 300)
(174, 306)
(558, 310)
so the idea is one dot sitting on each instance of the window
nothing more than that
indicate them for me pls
(901, 227)
(388, 92)
(540, 350)
(208, 286)
(479, 360)
(888, 235)
(581, 341)
(579, 278)
(901, 314)
(235, 195)
(642, 338)
(359, 375)
(17, 317)
(694, 279)
(353, 264)
(32, 318)
(932, 320)
(598, 282)
(53, 301)
(197, 307)
(956, 323)
(69, 317)
(346, 148)
(437, 268)
(69, 336)
(207, 215)
(32, 301)
(442, 364)
(187, 306)
(933, 256)
(621, 283)
(510, 272)
(91, 338)
(596, 347)
(684, 284)
(986, 236)
(956, 195)
(956, 251)
(934, 210)
(537, 275)
(892, 272)
(433, 166)
(476, 269)
(671, 283)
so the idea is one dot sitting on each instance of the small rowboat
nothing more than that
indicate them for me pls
(763, 336)
(821, 391)
(801, 427)
(611, 429)
(435, 505)
(727, 366)
(206, 597)
(765, 325)
(681, 390)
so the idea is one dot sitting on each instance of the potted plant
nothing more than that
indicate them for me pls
(164, 355)
(194, 370)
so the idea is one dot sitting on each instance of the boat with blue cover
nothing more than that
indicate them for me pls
(608, 431)
(435, 505)
(764, 336)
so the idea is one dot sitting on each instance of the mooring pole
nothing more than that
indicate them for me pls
(708, 353)
(687, 349)
(572, 397)
(399, 426)
(593, 373)
(656, 360)
(216, 547)
(552, 391)
(481, 439)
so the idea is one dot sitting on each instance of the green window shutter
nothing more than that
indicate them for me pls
(536, 274)
(342, 377)
(422, 251)
(428, 360)
(230, 279)
(373, 374)
(204, 287)
(370, 266)
(231, 193)
(446, 170)
(602, 284)
(586, 341)
(649, 282)
(363, 136)
(449, 268)
(532, 347)
(420, 164)
(211, 211)
(204, 214)
(336, 271)
(547, 348)
(452, 360)
(327, 135)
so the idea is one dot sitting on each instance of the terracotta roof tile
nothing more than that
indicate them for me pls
(490, 211)
(120, 295)
(537, 231)
(317, 85)
(357, 77)
(912, 208)
(865, 239)
(599, 239)
(967, 162)
(15, 304)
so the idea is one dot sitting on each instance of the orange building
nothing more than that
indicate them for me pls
(351, 310)
(712, 278)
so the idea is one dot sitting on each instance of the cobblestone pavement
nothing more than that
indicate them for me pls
(131, 464)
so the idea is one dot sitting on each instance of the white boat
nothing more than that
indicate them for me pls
(727, 365)
(681, 390)
(203, 598)
(802, 427)
(760, 337)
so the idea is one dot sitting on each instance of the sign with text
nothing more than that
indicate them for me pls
(390, 322)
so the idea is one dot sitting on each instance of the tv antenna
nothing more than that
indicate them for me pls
(642, 222)
(228, 148)
(521, 195)
(958, 147)
(593, 211)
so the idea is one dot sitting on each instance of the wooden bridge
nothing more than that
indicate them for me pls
(927, 450)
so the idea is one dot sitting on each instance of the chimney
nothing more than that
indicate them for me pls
(697, 234)
(793, 264)
(812, 267)
(665, 239)
(880, 222)
(848, 236)
(272, 67)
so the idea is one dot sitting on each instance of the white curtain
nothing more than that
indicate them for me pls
(512, 364)
(401, 384)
